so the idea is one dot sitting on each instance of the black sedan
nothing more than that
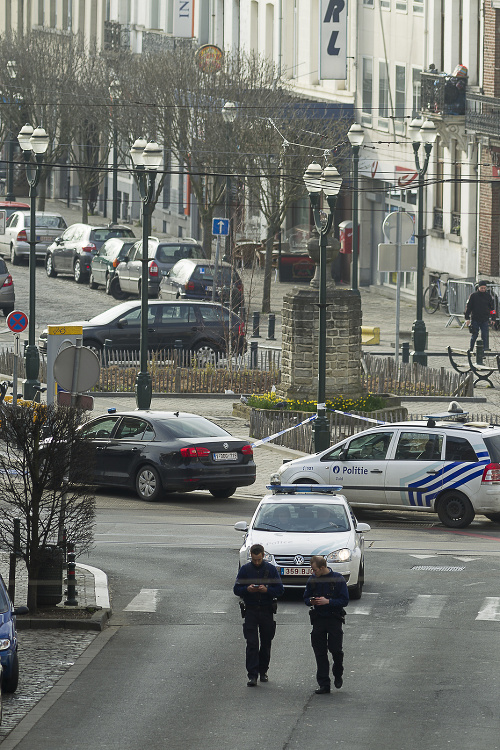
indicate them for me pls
(158, 452)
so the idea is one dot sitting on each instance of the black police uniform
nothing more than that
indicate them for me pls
(259, 611)
(327, 621)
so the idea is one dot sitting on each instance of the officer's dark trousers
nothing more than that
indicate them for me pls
(475, 327)
(326, 636)
(259, 624)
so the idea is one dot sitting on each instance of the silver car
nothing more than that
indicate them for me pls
(15, 242)
(7, 297)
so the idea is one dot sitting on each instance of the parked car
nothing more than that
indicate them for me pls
(298, 521)
(7, 295)
(104, 263)
(163, 255)
(158, 452)
(194, 279)
(10, 206)
(8, 640)
(15, 241)
(72, 252)
(202, 327)
(451, 468)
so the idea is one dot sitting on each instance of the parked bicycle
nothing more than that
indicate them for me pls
(436, 295)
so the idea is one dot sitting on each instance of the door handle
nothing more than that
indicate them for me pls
(433, 471)
(151, 330)
(376, 471)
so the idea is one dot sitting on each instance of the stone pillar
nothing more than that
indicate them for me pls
(300, 330)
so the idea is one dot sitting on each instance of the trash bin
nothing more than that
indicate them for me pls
(50, 575)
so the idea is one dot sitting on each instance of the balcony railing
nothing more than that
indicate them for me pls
(483, 115)
(443, 94)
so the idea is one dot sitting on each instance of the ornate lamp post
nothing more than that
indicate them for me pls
(229, 113)
(329, 182)
(115, 93)
(421, 132)
(146, 159)
(34, 144)
(356, 137)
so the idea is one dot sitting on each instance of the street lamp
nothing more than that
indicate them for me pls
(115, 93)
(329, 182)
(229, 113)
(146, 158)
(34, 144)
(9, 195)
(426, 133)
(356, 136)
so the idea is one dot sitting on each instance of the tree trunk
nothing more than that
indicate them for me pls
(206, 232)
(85, 203)
(268, 268)
(42, 193)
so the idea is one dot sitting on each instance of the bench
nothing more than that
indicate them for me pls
(481, 372)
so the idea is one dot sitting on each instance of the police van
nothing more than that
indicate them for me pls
(450, 467)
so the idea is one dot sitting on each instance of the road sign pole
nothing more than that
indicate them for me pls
(216, 266)
(14, 373)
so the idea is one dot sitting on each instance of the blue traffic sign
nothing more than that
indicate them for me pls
(220, 226)
(17, 321)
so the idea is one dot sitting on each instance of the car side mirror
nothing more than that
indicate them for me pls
(361, 527)
(58, 240)
(241, 526)
(122, 323)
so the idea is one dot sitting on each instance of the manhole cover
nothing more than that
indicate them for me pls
(439, 568)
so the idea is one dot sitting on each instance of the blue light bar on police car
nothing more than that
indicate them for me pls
(290, 489)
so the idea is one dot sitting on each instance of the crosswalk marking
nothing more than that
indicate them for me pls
(363, 606)
(145, 601)
(490, 609)
(427, 605)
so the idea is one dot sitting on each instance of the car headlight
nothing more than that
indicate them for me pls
(267, 556)
(340, 555)
(4, 644)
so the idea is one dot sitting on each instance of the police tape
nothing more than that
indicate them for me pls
(357, 416)
(282, 432)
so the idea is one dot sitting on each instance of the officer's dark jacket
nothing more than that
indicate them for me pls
(266, 574)
(479, 306)
(332, 587)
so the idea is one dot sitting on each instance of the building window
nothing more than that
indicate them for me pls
(254, 26)
(401, 5)
(368, 3)
(400, 98)
(416, 92)
(383, 95)
(367, 95)
(270, 31)
(385, 4)
(155, 14)
(456, 190)
(438, 200)
(418, 7)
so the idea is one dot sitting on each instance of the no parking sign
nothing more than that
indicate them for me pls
(17, 321)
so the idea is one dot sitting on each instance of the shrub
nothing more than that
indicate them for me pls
(273, 401)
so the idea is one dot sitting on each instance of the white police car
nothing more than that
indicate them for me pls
(452, 468)
(298, 521)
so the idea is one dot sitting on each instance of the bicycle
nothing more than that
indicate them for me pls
(434, 298)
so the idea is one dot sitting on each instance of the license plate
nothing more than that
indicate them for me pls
(225, 456)
(296, 571)
(208, 288)
(44, 238)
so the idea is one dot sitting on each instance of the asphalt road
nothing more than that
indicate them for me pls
(421, 645)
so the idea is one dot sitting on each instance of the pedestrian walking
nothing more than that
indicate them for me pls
(480, 306)
(327, 595)
(259, 585)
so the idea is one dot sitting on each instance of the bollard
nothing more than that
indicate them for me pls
(480, 352)
(271, 327)
(254, 348)
(255, 325)
(106, 351)
(178, 347)
(71, 601)
(405, 352)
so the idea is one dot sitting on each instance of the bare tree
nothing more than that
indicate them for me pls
(43, 482)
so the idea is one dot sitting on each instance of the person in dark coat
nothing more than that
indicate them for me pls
(258, 584)
(479, 307)
(327, 595)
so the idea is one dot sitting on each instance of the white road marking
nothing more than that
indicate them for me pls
(423, 557)
(427, 605)
(362, 607)
(467, 559)
(490, 609)
(145, 601)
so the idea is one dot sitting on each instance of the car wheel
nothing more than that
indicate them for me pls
(7, 310)
(14, 258)
(10, 679)
(92, 283)
(495, 517)
(116, 290)
(148, 483)
(222, 492)
(206, 354)
(49, 267)
(356, 591)
(304, 480)
(454, 510)
(77, 272)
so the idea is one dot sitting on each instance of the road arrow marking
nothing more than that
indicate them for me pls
(423, 557)
(466, 559)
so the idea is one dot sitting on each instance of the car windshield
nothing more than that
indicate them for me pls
(173, 253)
(310, 518)
(192, 427)
(493, 445)
(225, 275)
(109, 315)
(47, 222)
(4, 600)
(100, 235)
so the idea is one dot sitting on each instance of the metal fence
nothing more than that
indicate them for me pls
(458, 294)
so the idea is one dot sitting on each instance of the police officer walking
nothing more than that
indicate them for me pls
(479, 307)
(327, 595)
(258, 584)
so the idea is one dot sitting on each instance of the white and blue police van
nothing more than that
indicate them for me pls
(449, 467)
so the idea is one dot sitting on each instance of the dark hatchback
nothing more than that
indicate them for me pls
(194, 279)
(159, 452)
(202, 327)
(103, 265)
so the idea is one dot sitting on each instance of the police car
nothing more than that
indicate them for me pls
(295, 522)
(450, 467)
